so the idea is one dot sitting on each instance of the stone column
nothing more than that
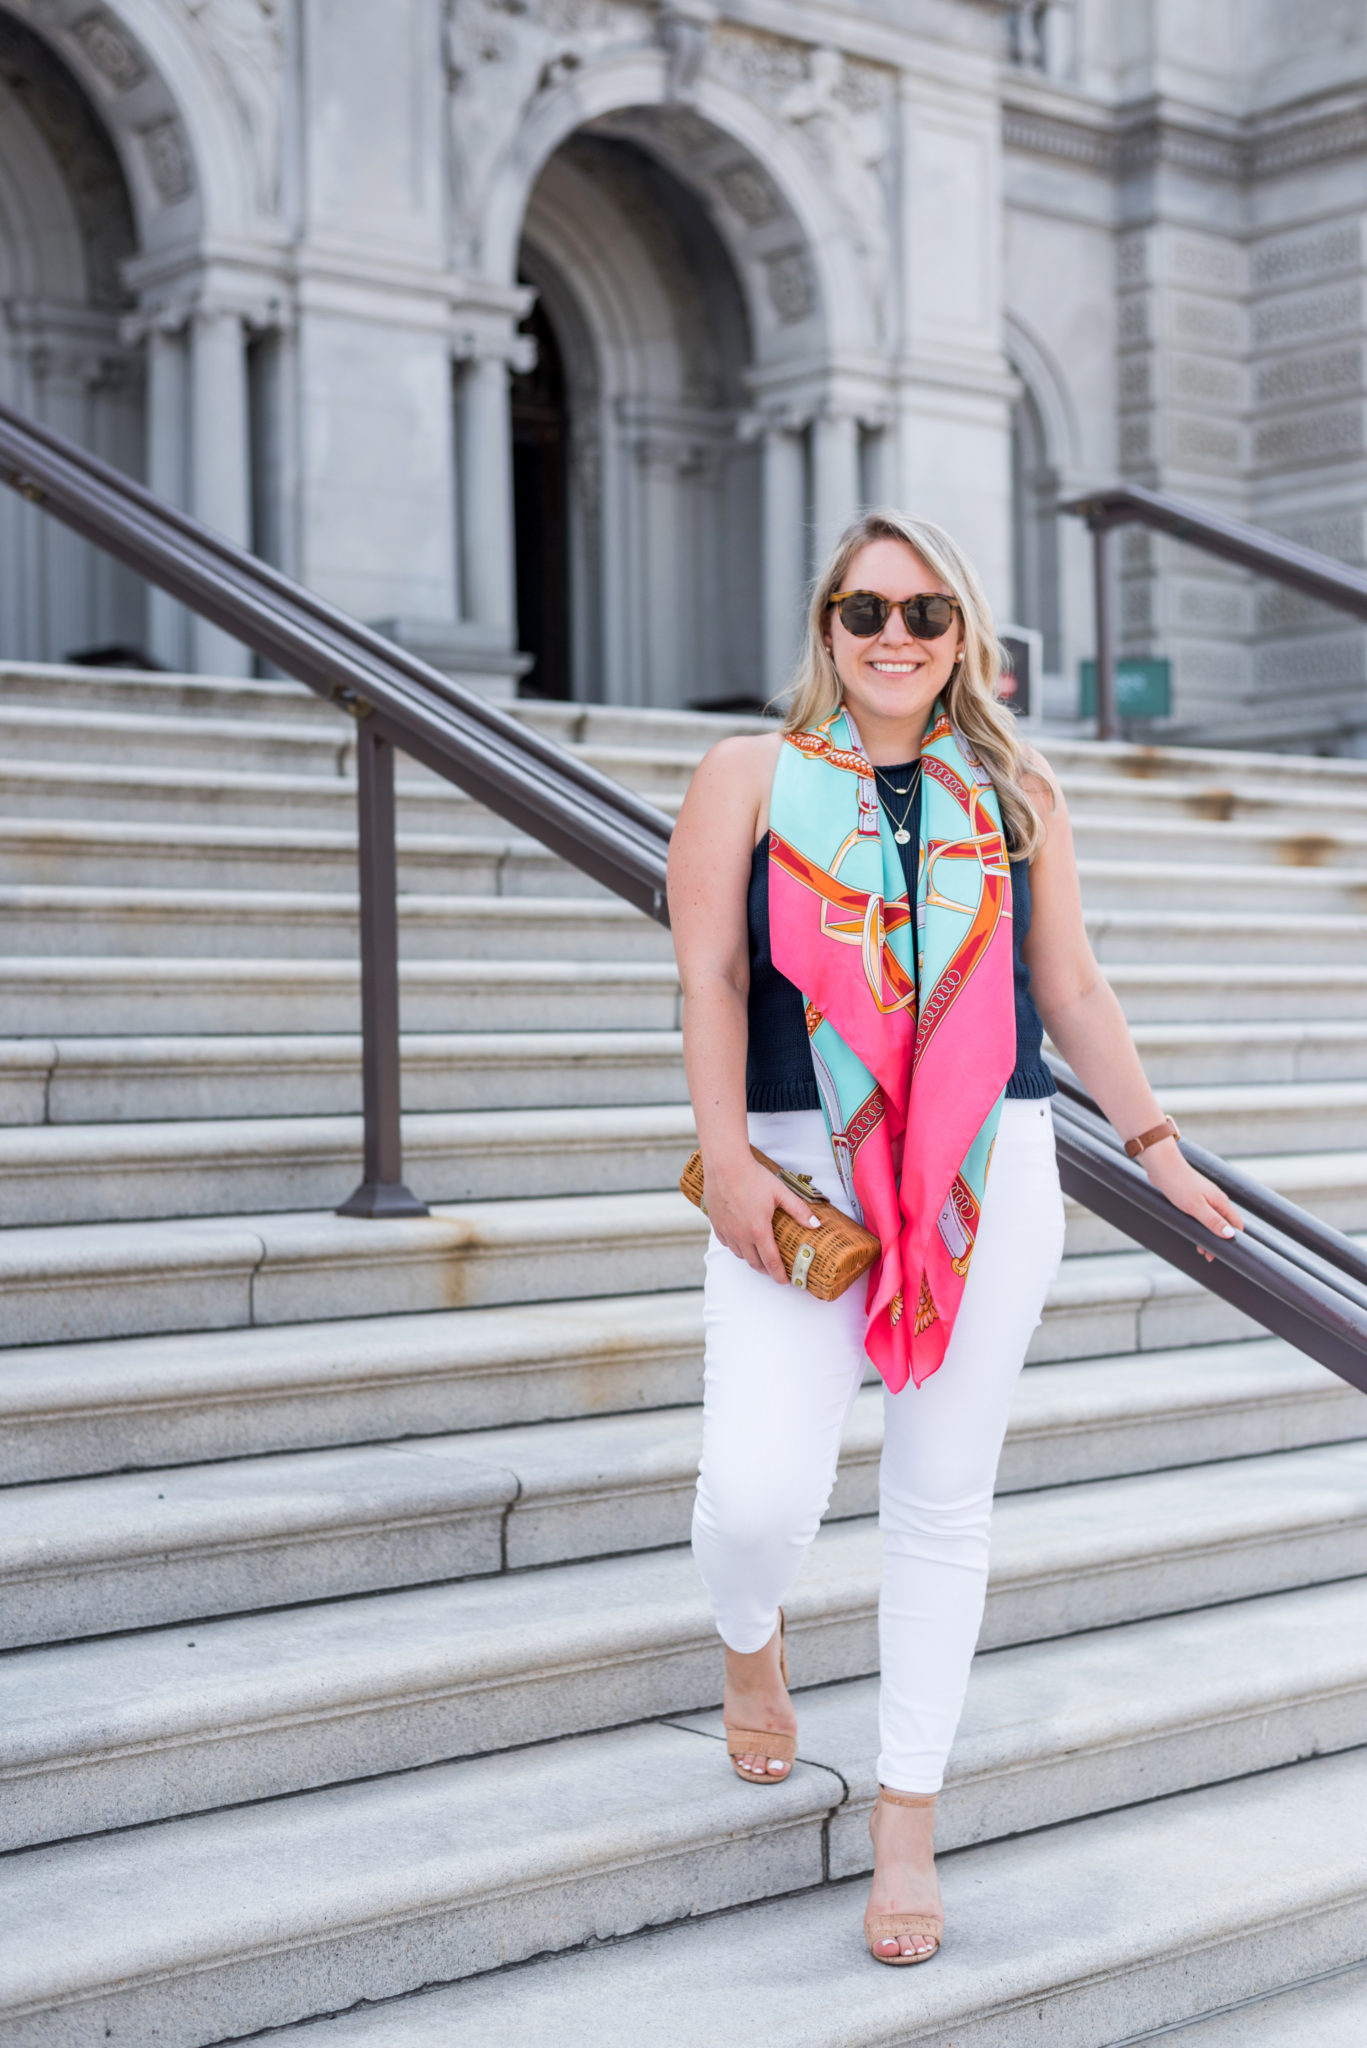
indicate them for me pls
(220, 472)
(168, 623)
(486, 494)
(835, 476)
(784, 553)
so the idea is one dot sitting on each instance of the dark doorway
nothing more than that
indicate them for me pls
(541, 513)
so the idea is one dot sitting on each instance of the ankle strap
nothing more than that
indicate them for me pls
(907, 1798)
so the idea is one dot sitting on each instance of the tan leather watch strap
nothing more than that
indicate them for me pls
(1167, 1129)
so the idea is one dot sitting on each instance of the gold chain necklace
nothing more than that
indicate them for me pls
(908, 790)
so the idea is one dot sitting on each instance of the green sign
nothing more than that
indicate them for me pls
(1143, 688)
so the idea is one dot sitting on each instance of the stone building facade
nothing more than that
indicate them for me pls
(577, 327)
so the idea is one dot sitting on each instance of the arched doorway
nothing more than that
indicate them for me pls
(629, 438)
(66, 225)
(540, 415)
(1035, 527)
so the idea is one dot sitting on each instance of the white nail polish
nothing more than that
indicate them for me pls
(1228, 1230)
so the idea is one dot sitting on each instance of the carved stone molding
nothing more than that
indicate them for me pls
(1123, 143)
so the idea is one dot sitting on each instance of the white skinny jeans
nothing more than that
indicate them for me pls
(781, 1371)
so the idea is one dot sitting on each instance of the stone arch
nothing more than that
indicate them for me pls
(1044, 442)
(785, 236)
(653, 325)
(66, 228)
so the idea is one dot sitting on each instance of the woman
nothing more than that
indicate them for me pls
(875, 912)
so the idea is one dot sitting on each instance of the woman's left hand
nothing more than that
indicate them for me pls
(1189, 1190)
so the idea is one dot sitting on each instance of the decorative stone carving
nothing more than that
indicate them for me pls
(246, 41)
(1203, 258)
(168, 159)
(1205, 442)
(683, 31)
(1311, 253)
(1307, 376)
(1311, 437)
(501, 56)
(1287, 320)
(111, 50)
(1214, 323)
(840, 110)
(791, 290)
(1208, 378)
(748, 192)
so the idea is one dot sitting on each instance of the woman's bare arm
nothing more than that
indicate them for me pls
(1084, 1019)
(709, 877)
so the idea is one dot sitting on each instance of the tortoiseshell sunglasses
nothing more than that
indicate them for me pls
(864, 613)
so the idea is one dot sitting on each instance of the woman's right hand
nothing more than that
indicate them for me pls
(741, 1200)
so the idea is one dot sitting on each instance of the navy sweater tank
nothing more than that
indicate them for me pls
(778, 1066)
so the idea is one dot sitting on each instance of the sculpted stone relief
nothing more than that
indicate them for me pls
(246, 41)
(501, 55)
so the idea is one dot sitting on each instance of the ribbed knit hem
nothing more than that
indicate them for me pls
(1029, 1084)
(767, 1097)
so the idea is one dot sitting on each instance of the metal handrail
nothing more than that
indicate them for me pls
(1304, 1284)
(1251, 547)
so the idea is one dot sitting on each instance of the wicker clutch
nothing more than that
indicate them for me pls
(824, 1261)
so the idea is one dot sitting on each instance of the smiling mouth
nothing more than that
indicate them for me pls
(896, 668)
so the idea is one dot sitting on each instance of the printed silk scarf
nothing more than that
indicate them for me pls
(911, 1101)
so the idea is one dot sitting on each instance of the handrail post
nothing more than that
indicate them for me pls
(382, 1192)
(1107, 715)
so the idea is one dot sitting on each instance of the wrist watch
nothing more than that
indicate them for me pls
(1167, 1129)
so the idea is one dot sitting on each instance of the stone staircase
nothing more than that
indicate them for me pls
(352, 1650)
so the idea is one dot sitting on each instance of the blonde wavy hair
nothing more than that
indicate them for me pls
(970, 696)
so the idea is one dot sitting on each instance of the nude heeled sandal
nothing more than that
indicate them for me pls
(764, 1741)
(900, 1927)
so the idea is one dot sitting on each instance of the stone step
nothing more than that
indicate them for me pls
(111, 1405)
(1124, 871)
(1309, 819)
(107, 1173)
(1312, 781)
(299, 923)
(210, 1538)
(1147, 833)
(1166, 820)
(166, 739)
(227, 1922)
(66, 1283)
(42, 684)
(1124, 881)
(129, 1726)
(1103, 1930)
(61, 853)
(1193, 992)
(133, 793)
(128, 1080)
(1325, 2013)
(1169, 820)
(61, 995)
(1224, 1052)
(132, 1080)
(302, 923)
(1181, 936)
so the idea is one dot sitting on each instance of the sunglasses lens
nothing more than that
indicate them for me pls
(929, 617)
(863, 614)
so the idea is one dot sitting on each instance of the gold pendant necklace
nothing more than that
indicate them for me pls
(908, 790)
